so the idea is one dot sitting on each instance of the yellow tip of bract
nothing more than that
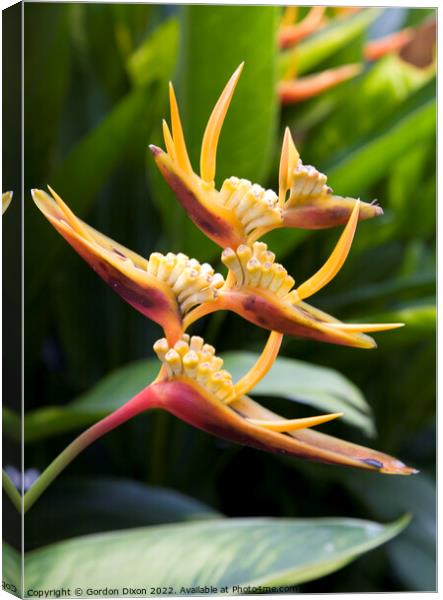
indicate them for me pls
(335, 262)
(288, 162)
(286, 425)
(213, 128)
(6, 200)
(177, 134)
(169, 142)
(365, 327)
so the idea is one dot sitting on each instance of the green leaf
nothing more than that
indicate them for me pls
(329, 40)
(248, 135)
(320, 387)
(80, 506)
(295, 380)
(221, 553)
(11, 570)
(371, 158)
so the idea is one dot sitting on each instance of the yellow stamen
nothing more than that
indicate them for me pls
(364, 327)
(169, 142)
(213, 128)
(177, 134)
(335, 262)
(262, 366)
(191, 282)
(254, 206)
(288, 162)
(191, 358)
(286, 425)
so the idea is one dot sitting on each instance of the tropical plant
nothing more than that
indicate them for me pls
(156, 471)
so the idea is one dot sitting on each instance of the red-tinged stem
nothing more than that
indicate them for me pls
(144, 400)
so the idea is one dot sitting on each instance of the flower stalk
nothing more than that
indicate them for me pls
(143, 401)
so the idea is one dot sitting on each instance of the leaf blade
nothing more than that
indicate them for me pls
(219, 553)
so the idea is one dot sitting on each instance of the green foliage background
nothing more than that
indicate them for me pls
(95, 92)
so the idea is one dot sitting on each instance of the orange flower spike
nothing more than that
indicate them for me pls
(196, 389)
(303, 88)
(192, 386)
(163, 288)
(230, 215)
(311, 203)
(291, 33)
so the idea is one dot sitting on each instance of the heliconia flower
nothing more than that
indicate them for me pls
(261, 291)
(6, 200)
(229, 216)
(311, 203)
(163, 288)
(240, 212)
(193, 386)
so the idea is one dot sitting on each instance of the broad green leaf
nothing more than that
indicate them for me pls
(316, 48)
(221, 553)
(319, 387)
(80, 506)
(11, 570)
(371, 159)
(224, 36)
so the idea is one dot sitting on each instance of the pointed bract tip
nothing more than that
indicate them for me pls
(364, 327)
(155, 149)
(212, 132)
(336, 260)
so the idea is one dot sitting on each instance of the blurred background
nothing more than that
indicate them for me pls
(95, 92)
